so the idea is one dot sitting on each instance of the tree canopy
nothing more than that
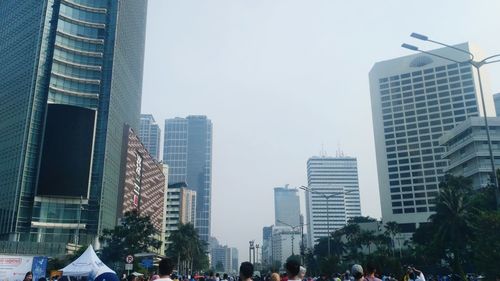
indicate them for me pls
(135, 234)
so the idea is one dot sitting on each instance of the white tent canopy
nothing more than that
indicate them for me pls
(88, 264)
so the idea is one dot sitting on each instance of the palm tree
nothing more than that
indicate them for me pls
(186, 245)
(453, 220)
(392, 229)
(366, 238)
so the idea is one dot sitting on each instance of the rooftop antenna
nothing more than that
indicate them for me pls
(322, 153)
(339, 153)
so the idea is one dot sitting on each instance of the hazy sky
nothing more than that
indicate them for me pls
(281, 79)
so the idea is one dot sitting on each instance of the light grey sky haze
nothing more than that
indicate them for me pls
(279, 78)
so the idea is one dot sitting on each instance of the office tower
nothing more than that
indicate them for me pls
(221, 258)
(415, 99)
(142, 187)
(285, 242)
(267, 232)
(286, 206)
(496, 100)
(180, 207)
(335, 195)
(467, 150)
(70, 78)
(149, 134)
(188, 152)
(236, 264)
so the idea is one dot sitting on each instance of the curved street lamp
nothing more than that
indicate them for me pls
(327, 197)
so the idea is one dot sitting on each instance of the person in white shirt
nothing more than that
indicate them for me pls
(415, 274)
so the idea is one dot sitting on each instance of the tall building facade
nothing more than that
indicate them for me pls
(286, 206)
(284, 243)
(180, 207)
(467, 150)
(496, 100)
(188, 152)
(267, 232)
(142, 187)
(236, 264)
(415, 99)
(71, 77)
(334, 196)
(150, 133)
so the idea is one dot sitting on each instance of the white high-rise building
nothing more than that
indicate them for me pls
(415, 99)
(286, 206)
(335, 195)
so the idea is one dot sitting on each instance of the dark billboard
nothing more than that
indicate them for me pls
(67, 151)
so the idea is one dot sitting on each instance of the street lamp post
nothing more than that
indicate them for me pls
(327, 197)
(477, 65)
(293, 231)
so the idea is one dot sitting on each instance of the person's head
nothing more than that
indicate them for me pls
(28, 276)
(165, 267)
(292, 268)
(224, 276)
(302, 272)
(370, 268)
(246, 270)
(275, 277)
(217, 275)
(357, 271)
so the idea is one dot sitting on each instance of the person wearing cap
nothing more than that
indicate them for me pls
(357, 272)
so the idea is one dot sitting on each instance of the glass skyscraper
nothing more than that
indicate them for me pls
(149, 134)
(286, 207)
(70, 78)
(188, 152)
(496, 100)
(415, 100)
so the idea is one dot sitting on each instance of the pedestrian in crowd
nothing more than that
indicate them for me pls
(284, 277)
(370, 272)
(246, 271)
(347, 276)
(28, 276)
(292, 268)
(357, 272)
(302, 272)
(275, 277)
(225, 277)
(217, 277)
(165, 269)
(211, 276)
(413, 274)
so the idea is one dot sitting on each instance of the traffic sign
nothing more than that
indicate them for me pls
(129, 259)
(129, 266)
(147, 263)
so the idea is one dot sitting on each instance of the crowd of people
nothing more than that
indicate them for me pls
(294, 272)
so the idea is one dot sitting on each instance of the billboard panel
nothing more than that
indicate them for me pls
(67, 151)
